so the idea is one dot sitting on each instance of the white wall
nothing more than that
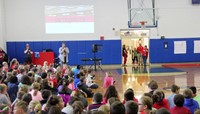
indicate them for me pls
(2, 25)
(25, 19)
(178, 18)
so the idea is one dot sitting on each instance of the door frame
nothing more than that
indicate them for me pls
(135, 29)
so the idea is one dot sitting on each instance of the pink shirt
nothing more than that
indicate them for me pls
(37, 97)
(71, 86)
(107, 81)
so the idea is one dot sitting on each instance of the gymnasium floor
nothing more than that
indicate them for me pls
(138, 78)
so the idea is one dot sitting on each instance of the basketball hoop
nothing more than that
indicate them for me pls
(143, 23)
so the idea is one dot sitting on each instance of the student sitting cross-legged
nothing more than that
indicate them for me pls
(97, 99)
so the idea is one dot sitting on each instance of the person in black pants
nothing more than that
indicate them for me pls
(28, 53)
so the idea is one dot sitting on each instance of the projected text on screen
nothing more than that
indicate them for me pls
(69, 19)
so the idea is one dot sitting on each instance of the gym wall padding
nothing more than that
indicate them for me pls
(110, 53)
(158, 54)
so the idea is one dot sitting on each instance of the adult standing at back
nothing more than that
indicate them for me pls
(124, 54)
(28, 53)
(140, 49)
(63, 54)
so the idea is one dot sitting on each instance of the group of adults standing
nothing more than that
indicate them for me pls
(139, 55)
(63, 54)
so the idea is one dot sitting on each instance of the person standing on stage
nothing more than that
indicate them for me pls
(63, 54)
(140, 49)
(28, 53)
(124, 54)
(2, 55)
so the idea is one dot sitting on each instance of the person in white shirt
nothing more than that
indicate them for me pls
(90, 81)
(63, 54)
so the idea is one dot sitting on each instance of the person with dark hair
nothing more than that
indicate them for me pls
(25, 82)
(117, 108)
(46, 85)
(2, 54)
(54, 110)
(110, 92)
(162, 111)
(140, 49)
(77, 69)
(97, 99)
(159, 100)
(28, 53)
(129, 95)
(145, 104)
(131, 107)
(179, 108)
(152, 85)
(175, 90)
(194, 94)
(12, 88)
(44, 75)
(77, 80)
(84, 87)
(124, 54)
(65, 91)
(69, 109)
(112, 100)
(45, 95)
(189, 102)
(27, 98)
(54, 101)
(78, 107)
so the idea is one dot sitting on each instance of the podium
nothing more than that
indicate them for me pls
(43, 56)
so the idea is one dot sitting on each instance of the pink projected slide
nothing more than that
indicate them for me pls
(69, 19)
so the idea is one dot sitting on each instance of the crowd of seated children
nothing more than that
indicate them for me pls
(29, 89)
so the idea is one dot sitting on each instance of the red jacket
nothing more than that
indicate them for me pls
(162, 104)
(140, 49)
(145, 52)
(180, 110)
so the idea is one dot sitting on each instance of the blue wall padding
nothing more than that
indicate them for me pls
(158, 54)
(110, 52)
